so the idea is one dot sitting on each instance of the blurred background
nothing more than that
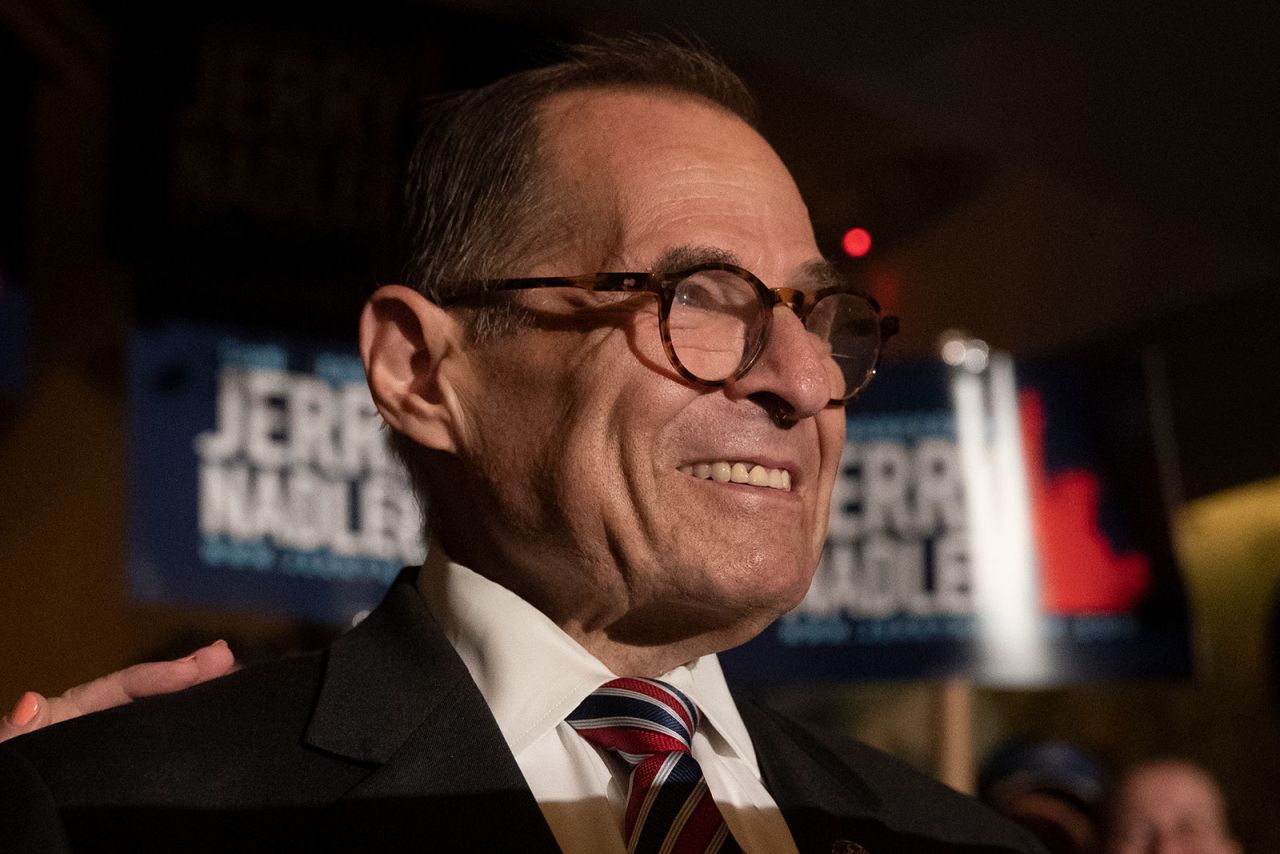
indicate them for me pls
(1098, 181)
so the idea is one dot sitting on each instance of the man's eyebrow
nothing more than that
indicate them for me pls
(683, 257)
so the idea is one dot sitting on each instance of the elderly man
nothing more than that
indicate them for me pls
(619, 372)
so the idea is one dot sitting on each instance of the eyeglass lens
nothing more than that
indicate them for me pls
(716, 318)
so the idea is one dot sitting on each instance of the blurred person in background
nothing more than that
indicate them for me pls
(1168, 806)
(1053, 789)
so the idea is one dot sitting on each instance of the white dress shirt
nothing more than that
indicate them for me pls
(532, 675)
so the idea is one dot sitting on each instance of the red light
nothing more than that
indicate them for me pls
(856, 242)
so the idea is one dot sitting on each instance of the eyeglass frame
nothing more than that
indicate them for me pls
(663, 285)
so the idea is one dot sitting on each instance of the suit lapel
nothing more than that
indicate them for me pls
(396, 697)
(823, 801)
(830, 805)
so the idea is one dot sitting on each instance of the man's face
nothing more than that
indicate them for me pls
(581, 428)
(1170, 808)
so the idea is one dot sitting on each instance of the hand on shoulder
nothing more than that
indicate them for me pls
(33, 711)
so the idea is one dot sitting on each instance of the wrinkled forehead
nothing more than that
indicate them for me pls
(640, 171)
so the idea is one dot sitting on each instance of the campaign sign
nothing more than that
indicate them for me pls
(260, 477)
(1010, 527)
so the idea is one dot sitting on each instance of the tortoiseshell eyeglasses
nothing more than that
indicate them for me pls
(715, 318)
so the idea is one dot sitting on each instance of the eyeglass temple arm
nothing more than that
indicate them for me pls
(599, 282)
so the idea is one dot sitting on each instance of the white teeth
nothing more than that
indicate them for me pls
(740, 472)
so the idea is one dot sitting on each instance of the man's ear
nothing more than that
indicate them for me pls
(410, 346)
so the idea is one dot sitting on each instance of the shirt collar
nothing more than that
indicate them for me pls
(532, 674)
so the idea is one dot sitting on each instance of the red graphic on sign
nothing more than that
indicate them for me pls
(1080, 570)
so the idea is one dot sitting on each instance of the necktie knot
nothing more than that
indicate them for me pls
(651, 724)
(637, 718)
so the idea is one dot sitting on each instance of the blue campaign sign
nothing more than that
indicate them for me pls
(1009, 527)
(259, 477)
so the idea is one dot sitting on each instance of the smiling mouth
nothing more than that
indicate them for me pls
(750, 474)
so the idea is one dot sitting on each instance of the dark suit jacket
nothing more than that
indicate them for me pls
(383, 742)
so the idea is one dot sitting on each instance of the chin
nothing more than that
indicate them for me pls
(766, 585)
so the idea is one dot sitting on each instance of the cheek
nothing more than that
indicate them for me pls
(646, 352)
(619, 430)
(600, 445)
(516, 423)
(624, 447)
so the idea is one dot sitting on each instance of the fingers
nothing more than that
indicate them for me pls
(214, 660)
(162, 677)
(33, 711)
(144, 680)
(28, 714)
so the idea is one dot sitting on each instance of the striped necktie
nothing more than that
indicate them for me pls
(650, 724)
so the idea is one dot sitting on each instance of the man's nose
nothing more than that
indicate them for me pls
(795, 367)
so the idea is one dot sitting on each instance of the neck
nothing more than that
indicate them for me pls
(642, 642)
(624, 659)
